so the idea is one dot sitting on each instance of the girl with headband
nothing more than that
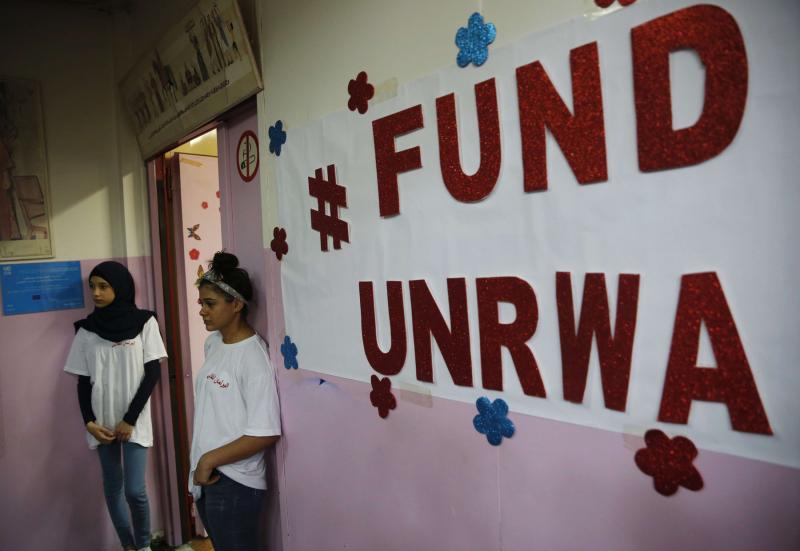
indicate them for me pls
(115, 354)
(236, 414)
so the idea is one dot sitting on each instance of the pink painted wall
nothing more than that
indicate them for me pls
(51, 487)
(424, 479)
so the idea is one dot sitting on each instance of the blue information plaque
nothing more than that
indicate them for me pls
(40, 287)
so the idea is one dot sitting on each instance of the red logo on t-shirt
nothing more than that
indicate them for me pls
(217, 381)
(123, 343)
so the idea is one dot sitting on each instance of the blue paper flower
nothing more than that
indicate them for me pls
(277, 137)
(492, 420)
(473, 41)
(289, 351)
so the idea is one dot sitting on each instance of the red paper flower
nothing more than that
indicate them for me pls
(217, 194)
(194, 254)
(360, 92)
(204, 204)
(669, 462)
(279, 244)
(606, 3)
(381, 395)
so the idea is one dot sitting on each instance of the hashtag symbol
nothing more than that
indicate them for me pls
(328, 191)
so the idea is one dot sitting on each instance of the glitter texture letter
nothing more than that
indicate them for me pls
(614, 352)
(514, 335)
(581, 136)
(388, 162)
(391, 362)
(731, 382)
(428, 321)
(461, 186)
(713, 33)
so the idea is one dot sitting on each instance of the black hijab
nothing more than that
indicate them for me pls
(121, 320)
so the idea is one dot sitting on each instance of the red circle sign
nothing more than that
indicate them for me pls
(247, 156)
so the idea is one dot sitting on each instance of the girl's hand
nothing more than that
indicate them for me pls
(102, 434)
(123, 431)
(204, 474)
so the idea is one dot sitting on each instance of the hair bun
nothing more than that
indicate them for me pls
(224, 262)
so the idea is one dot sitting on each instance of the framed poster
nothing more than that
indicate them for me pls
(198, 69)
(24, 193)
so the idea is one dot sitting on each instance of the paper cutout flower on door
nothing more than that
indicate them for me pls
(204, 204)
(360, 92)
(473, 41)
(194, 254)
(669, 462)
(492, 420)
(277, 137)
(289, 351)
(381, 395)
(278, 243)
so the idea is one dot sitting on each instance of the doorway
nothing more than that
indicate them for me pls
(201, 201)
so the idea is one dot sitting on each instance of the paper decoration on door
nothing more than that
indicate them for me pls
(193, 232)
(247, 156)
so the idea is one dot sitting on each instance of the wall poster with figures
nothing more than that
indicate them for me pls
(200, 67)
(24, 197)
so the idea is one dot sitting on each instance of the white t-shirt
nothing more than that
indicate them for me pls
(235, 395)
(116, 370)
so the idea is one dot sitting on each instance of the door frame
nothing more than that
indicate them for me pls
(176, 399)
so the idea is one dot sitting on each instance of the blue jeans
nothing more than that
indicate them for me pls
(230, 512)
(123, 467)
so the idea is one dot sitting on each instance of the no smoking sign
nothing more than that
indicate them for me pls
(247, 156)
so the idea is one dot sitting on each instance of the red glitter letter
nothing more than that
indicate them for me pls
(479, 185)
(614, 352)
(713, 33)
(494, 335)
(702, 300)
(391, 362)
(388, 162)
(581, 136)
(428, 320)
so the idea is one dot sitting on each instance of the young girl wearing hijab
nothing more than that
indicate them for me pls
(236, 414)
(115, 354)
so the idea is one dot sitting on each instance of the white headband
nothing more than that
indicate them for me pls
(212, 277)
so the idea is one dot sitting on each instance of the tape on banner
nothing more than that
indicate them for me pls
(385, 90)
(414, 394)
(633, 436)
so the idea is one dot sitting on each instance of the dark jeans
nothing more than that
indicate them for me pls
(230, 512)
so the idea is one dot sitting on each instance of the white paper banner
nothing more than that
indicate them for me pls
(734, 214)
